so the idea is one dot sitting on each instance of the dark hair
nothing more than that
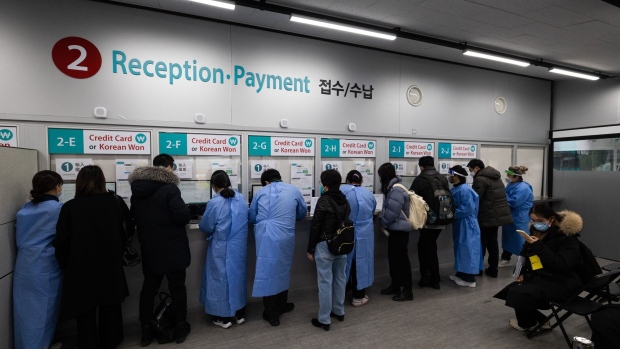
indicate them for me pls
(354, 176)
(386, 174)
(520, 170)
(270, 175)
(460, 170)
(426, 161)
(476, 163)
(90, 181)
(545, 211)
(163, 160)
(331, 179)
(220, 180)
(42, 182)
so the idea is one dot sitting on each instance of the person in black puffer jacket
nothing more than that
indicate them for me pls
(161, 215)
(493, 212)
(331, 269)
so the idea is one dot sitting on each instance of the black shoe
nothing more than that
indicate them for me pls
(405, 296)
(316, 323)
(435, 285)
(272, 322)
(147, 336)
(391, 290)
(339, 317)
(288, 307)
(491, 274)
(181, 330)
(480, 273)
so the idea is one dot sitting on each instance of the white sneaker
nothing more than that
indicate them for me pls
(56, 345)
(454, 278)
(358, 302)
(504, 263)
(464, 283)
(546, 326)
(222, 324)
(240, 320)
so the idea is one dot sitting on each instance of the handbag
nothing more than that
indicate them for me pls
(130, 255)
(162, 321)
(343, 239)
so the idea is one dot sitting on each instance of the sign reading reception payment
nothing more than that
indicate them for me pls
(74, 141)
(457, 151)
(199, 144)
(8, 136)
(280, 146)
(402, 149)
(347, 148)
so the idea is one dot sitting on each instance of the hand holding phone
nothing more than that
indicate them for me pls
(523, 234)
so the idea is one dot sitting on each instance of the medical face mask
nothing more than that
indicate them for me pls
(321, 190)
(508, 180)
(540, 226)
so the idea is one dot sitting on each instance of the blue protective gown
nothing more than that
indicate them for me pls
(363, 205)
(37, 280)
(465, 230)
(274, 210)
(225, 222)
(520, 199)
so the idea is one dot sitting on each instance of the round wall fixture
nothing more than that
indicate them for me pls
(414, 95)
(500, 105)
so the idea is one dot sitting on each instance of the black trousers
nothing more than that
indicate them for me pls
(103, 330)
(353, 280)
(506, 255)
(178, 292)
(274, 305)
(606, 328)
(238, 315)
(488, 236)
(466, 277)
(398, 259)
(427, 254)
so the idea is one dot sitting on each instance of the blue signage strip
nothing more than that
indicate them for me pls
(397, 149)
(65, 141)
(173, 143)
(444, 151)
(330, 148)
(259, 146)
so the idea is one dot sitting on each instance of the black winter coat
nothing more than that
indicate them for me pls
(325, 222)
(89, 244)
(161, 216)
(559, 255)
(493, 210)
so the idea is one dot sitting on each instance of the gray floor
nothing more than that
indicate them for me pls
(452, 317)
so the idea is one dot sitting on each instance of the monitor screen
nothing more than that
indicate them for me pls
(110, 186)
(195, 192)
(68, 192)
(407, 181)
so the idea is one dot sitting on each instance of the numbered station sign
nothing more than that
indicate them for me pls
(347, 148)
(8, 136)
(69, 168)
(199, 144)
(280, 146)
(74, 141)
(457, 151)
(402, 149)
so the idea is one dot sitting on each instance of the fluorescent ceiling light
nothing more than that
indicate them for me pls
(330, 25)
(495, 58)
(572, 73)
(222, 4)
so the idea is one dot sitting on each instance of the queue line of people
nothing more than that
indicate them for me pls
(161, 215)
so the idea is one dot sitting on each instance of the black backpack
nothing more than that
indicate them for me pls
(343, 239)
(441, 204)
(589, 267)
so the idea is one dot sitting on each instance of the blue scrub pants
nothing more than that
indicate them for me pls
(331, 276)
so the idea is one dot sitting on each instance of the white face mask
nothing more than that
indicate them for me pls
(508, 180)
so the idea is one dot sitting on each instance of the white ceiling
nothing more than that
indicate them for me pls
(582, 34)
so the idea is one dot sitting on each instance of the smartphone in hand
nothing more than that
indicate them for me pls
(523, 234)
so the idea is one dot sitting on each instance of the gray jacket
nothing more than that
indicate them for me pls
(395, 207)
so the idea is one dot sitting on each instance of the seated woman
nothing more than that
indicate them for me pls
(549, 258)
(465, 229)
(225, 222)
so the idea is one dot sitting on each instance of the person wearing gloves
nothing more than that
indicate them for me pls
(274, 210)
(37, 278)
(360, 262)
(331, 208)
(465, 229)
(394, 221)
(520, 199)
(551, 254)
(225, 222)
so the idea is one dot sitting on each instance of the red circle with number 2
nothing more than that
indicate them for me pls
(76, 57)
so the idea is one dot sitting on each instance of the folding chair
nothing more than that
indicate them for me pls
(576, 304)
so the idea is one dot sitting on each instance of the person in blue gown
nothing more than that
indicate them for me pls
(360, 262)
(520, 199)
(37, 279)
(465, 229)
(225, 222)
(273, 212)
